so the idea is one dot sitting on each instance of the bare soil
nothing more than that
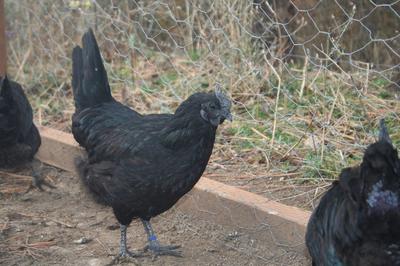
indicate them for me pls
(63, 226)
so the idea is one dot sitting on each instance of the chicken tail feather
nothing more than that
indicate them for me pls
(89, 77)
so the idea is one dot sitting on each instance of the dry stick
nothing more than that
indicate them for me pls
(4, 227)
(43, 244)
(366, 80)
(8, 240)
(54, 96)
(332, 61)
(283, 174)
(295, 195)
(40, 119)
(317, 194)
(270, 8)
(51, 219)
(276, 101)
(280, 188)
(266, 138)
(62, 223)
(31, 251)
(16, 175)
(11, 190)
(297, 143)
(329, 121)
(303, 82)
(21, 66)
(315, 78)
(106, 248)
(15, 56)
(278, 185)
(255, 176)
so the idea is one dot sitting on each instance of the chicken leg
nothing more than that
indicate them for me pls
(38, 181)
(154, 245)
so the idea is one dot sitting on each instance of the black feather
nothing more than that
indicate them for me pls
(19, 137)
(140, 165)
(356, 222)
(89, 77)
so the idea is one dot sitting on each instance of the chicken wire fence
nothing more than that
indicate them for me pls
(309, 79)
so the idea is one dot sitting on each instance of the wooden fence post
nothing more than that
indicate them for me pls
(3, 42)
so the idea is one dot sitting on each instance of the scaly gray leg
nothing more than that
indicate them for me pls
(123, 251)
(155, 247)
(38, 181)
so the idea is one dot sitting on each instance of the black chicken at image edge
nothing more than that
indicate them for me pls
(19, 137)
(357, 221)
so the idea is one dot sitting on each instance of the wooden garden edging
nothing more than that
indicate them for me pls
(263, 219)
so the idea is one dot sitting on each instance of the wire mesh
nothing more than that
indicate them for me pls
(309, 79)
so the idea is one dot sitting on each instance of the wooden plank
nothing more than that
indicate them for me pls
(266, 205)
(58, 149)
(260, 217)
(3, 43)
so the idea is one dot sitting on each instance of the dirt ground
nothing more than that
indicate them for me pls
(63, 226)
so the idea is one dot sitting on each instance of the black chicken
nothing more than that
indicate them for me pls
(140, 165)
(19, 137)
(357, 221)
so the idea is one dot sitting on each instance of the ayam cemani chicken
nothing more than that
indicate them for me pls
(140, 165)
(19, 137)
(357, 221)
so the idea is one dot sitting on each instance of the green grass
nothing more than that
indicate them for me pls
(166, 79)
(380, 82)
(258, 112)
(194, 55)
(148, 89)
(123, 72)
(384, 95)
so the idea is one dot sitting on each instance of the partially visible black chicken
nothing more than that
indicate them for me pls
(357, 221)
(19, 137)
(140, 165)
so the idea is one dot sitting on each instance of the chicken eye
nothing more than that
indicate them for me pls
(213, 106)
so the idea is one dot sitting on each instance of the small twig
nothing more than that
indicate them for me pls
(62, 223)
(266, 138)
(15, 175)
(327, 124)
(303, 82)
(276, 100)
(4, 227)
(21, 66)
(44, 244)
(50, 219)
(106, 248)
(39, 114)
(297, 143)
